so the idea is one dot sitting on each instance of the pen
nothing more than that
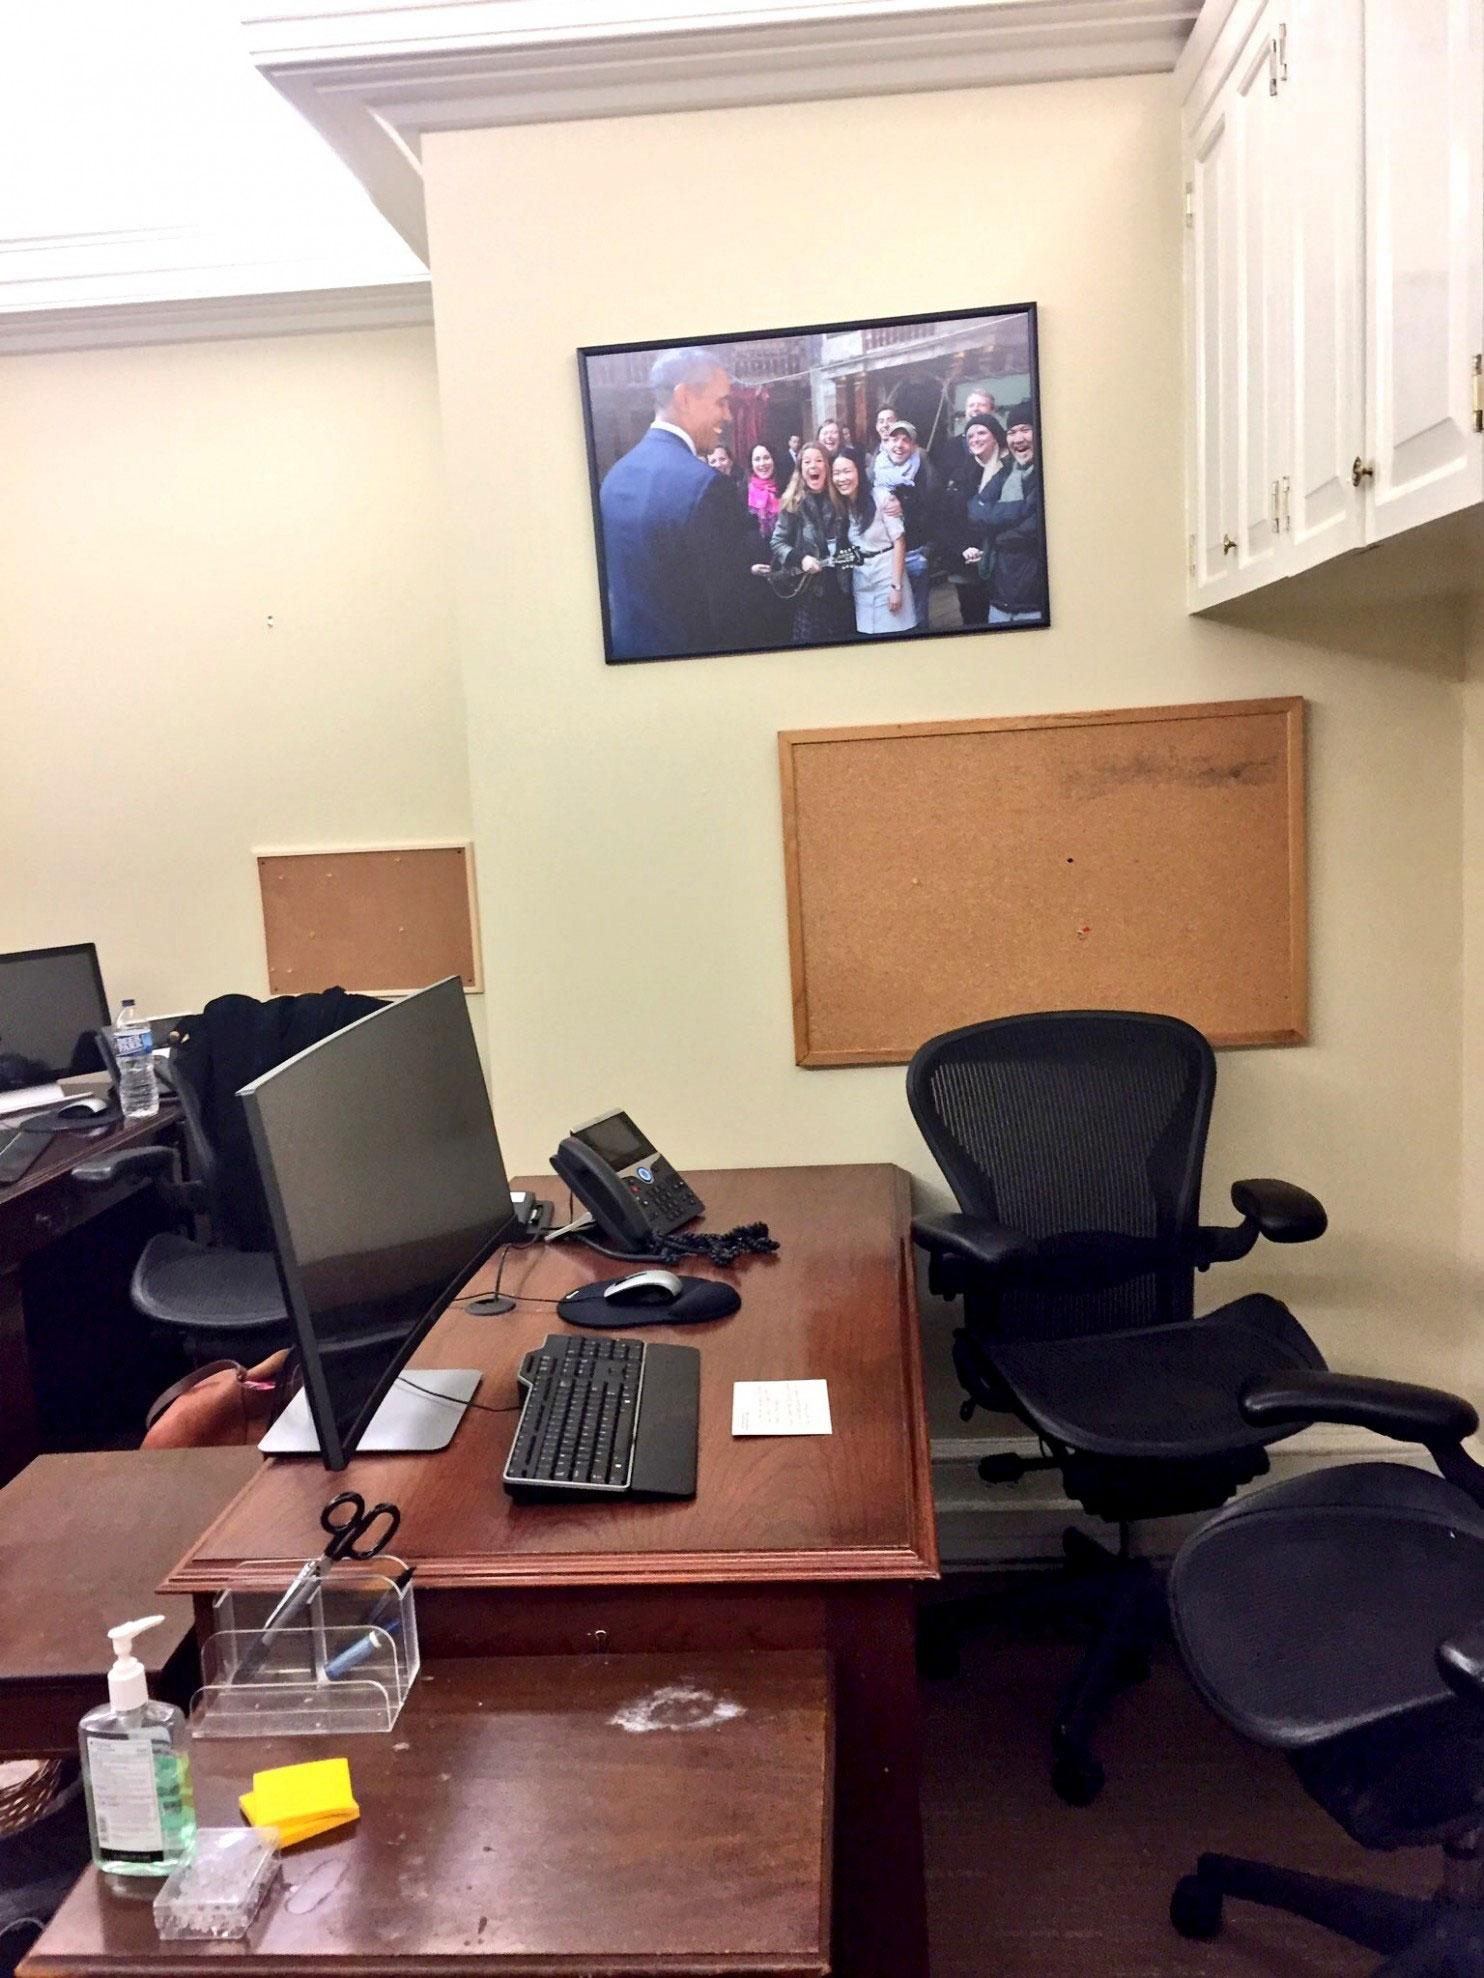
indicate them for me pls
(300, 1592)
(358, 1651)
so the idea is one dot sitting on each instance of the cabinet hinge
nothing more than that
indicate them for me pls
(1282, 51)
(1190, 554)
(1479, 391)
(1273, 65)
(1287, 516)
(1277, 513)
(1189, 204)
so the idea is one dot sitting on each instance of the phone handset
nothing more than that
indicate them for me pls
(595, 1184)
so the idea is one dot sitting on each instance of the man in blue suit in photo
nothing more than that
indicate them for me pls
(678, 545)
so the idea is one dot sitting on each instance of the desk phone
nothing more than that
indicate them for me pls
(632, 1193)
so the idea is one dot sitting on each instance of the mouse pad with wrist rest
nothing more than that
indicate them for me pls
(701, 1298)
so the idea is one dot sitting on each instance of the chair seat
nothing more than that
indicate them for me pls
(179, 1282)
(1166, 1393)
(1314, 1608)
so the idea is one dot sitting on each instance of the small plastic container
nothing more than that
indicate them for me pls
(343, 1666)
(218, 1893)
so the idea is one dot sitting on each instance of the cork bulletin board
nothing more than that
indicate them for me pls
(940, 873)
(380, 920)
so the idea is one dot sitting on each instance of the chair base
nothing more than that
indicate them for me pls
(1419, 1939)
(1126, 1598)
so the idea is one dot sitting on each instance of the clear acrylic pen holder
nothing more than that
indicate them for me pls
(343, 1663)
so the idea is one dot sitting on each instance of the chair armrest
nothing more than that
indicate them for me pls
(128, 1164)
(1460, 1662)
(1278, 1210)
(1391, 1407)
(972, 1240)
(1283, 1212)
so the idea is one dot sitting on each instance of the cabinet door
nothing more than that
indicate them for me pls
(1424, 146)
(1262, 353)
(1320, 104)
(1211, 355)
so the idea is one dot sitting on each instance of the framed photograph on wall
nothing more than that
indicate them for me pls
(820, 486)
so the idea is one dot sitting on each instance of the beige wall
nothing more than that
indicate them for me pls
(628, 819)
(1471, 1193)
(162, 506)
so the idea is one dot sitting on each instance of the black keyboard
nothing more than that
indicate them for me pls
(606, 1418)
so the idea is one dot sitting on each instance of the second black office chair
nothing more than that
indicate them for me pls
(1074, 1142)
(217, 1287)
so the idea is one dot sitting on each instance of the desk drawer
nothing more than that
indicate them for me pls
(33, 1220)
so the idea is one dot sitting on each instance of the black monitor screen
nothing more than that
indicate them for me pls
(379, 1159)
(51, 1003)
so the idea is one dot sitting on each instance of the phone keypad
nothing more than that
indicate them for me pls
(669, 1201)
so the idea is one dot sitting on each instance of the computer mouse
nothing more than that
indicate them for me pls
(644, 1288)
(83, 1107)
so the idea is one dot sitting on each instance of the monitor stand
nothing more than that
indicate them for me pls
(410, 1420)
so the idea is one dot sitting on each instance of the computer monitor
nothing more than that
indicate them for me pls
(382, 1171)
(51, 1007)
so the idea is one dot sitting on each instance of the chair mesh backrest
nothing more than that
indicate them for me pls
(1074, 1123)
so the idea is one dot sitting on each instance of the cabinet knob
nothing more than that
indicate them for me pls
(1361, 470)
(1228, 544)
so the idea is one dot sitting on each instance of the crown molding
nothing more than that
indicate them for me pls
(203, 319)
(375, 79)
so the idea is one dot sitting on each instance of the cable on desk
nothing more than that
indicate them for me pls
(454, 1402)
(520, 1297)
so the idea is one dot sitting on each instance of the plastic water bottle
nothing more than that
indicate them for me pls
(133, 1043)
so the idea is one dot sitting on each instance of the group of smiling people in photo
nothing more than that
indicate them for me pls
(866, 533)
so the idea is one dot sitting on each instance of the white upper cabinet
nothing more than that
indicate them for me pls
(1334, 281)
(1211, 354)
(1322, 225)
(1424, 160)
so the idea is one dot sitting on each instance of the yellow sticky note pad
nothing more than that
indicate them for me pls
(302, 1800)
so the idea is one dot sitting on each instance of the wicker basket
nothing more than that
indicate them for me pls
(27, 1788)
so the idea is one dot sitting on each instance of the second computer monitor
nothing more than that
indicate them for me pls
(382, 1169)
(51, 1007)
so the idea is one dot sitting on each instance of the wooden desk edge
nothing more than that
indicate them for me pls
(922, 1508)
(159, 1963)
(595, 1569)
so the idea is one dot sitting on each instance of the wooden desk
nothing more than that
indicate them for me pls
(45, 1206)
(510, 1823)
(84, 1540)
(799, 1543)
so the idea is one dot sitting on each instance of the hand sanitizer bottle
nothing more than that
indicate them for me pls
(136, 1770)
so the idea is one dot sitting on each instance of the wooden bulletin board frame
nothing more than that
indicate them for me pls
(409, 908)
(860, 846)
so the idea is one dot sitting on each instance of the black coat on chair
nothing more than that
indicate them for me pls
(218, 1288)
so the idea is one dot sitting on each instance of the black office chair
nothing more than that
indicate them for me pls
(1340, 1618)
(217, 1287)
(1073, 1142)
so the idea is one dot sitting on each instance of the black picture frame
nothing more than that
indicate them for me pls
(918, 365)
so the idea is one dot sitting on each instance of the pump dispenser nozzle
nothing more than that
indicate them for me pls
(127, 1684)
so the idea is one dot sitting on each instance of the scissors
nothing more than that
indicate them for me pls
(344, 1531)
(358, 1521)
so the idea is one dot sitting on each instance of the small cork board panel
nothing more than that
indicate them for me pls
(941, 873)
(380, 921)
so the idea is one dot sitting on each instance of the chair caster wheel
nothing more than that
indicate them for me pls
(1077, 1778)
(1195, 1908)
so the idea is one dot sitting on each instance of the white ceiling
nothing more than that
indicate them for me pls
(166, 167)
(144, 162)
